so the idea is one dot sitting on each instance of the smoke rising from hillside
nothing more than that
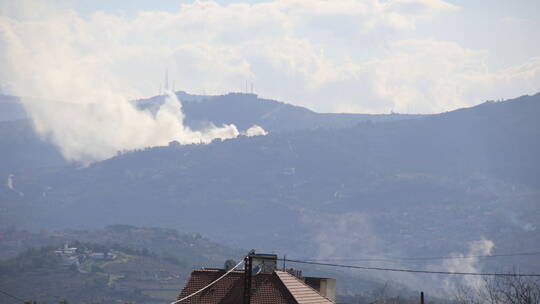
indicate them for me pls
(476, 248)
(255, 131)
(75, 98)
(351, 236)
(88, 131)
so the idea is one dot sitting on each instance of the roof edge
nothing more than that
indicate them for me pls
(300, 281)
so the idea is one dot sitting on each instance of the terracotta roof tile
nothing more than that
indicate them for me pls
(267, 288)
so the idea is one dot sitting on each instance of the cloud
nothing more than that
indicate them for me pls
(435, 76)
(342, 55)
(208, 45)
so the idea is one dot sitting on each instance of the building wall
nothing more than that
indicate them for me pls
(325, 286)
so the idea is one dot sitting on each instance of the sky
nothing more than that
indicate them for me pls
(367, 56)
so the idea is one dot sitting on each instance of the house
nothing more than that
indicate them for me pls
(66, 251)
(68, 255)
(268, 285)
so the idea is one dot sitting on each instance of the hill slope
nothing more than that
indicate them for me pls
(245, 110)
(427, 186)
(22, 149)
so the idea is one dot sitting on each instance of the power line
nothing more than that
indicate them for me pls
(12, 296)
(214, 282)
(414, 270)
(397, 259)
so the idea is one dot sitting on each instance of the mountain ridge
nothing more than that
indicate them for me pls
(245, 110)
(305, 180)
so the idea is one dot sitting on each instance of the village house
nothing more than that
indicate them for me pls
(71, 255)
(268, 285)
(68, 255)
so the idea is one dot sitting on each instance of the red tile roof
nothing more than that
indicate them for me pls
(267, 288)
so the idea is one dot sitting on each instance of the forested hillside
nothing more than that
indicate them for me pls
(245, 110)
(392, 183)
(146, 265)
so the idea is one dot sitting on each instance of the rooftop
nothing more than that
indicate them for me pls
(278, 287)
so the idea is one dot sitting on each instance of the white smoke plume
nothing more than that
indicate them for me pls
(255, 130)
(73, 95)
(447, 286)
(11, 186)
(351, 236)
(9, 182)
(468, 264)
(342, 235)
(89, 131)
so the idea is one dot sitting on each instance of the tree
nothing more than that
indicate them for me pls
(229, 264)
(385, 295)
(502, 290)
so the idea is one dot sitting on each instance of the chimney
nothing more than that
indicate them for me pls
(326, 287)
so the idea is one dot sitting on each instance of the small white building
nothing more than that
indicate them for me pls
(66, 251)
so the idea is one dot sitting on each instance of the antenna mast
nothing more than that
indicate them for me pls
(167, 79)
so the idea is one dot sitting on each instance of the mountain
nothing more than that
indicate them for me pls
(21, 148)
(25, 153)
(245, 110)
(433, 185)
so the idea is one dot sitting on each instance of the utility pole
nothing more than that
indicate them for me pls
(247, 276)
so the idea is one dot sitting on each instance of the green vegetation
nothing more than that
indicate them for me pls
(182, 249)
(426, 186)
(112, 279)
(39, 274)
(121, 258)
(137, 274)
(30, 260)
